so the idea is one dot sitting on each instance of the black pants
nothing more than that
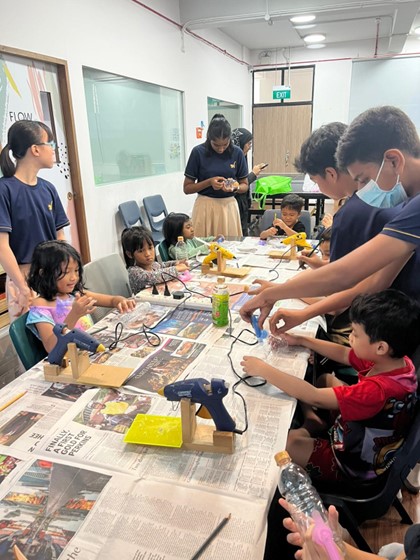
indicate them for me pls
(243, 204)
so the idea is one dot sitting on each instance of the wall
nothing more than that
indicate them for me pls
(121, 37)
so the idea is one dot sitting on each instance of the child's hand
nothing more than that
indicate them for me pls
(181, 267)
(253, 366)
(270, 232)
(217, 183)
(279, 223)
(123, 304)
(83, 305)
(292, 339)
(313, 262)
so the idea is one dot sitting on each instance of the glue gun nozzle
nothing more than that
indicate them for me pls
(101, 348)
(161, 392)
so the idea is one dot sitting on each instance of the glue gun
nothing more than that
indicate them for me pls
(80, 338)
(208, 394)
(298, 239)
(214, 249)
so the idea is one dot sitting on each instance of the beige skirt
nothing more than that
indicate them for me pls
(214, 216)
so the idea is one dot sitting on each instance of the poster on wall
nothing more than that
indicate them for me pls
(29, 91)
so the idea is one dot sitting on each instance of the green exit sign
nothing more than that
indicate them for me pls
(281, 92)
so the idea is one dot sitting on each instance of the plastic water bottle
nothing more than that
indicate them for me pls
(307, 508)
(181, 251)
(220, 303)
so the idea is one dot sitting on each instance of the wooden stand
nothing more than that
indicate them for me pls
(202, 437)
(285, 255)
(82, 372)
(223, 270)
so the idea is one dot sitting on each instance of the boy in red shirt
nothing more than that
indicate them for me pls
(372, 417)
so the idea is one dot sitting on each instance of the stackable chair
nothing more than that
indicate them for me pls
(107, 275)
(130, 213)
(28, 347)
(268, 217)
(370, 500)
(163, 251)
(156, 212)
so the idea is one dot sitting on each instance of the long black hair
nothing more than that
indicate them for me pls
(219, 128)
(173, 226)
(21, 136)
(132, 240)
(47, 267)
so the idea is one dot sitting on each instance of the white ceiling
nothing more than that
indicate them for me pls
(344, 22)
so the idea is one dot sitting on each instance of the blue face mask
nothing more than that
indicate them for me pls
(373, 195)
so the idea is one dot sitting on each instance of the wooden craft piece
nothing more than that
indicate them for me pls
(222, 270)
(201, 437)
(82, 372)
(285, 254)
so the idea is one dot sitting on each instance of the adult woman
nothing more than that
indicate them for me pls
(209, 168)
(243, 138)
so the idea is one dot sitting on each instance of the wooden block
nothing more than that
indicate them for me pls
(99, 375)
(281, 255)
(230, 271)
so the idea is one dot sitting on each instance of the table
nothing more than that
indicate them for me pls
(297, 188)
(73, 489)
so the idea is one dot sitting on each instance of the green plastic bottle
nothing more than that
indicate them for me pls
(220, 303)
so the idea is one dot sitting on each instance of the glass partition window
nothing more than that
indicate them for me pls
(135, 127)
(231, 111)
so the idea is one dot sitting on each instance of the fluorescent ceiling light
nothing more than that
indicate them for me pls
(316, 46)
(417, 30)
(314, 38)
(305, 26)
(302, 19)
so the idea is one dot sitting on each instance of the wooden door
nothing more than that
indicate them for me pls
(278, 135)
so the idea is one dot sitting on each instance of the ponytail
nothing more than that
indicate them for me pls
(8, 168)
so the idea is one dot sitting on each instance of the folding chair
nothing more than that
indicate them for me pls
(28, 347)
(130, 213)
(156, 212)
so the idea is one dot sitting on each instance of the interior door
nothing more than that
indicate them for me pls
(278, 135)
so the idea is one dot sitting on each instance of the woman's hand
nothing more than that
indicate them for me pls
(217, 183)
(291, 317)
(123, 304)
(262, 285)
(256, 170)
(23, 300)
(83, 305)
(181, 267)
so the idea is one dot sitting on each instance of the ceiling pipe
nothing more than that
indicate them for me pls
(378, 23)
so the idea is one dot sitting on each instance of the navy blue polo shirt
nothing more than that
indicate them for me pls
(204, 164)
(30, 215)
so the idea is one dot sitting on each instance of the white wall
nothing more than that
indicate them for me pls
(121, 37)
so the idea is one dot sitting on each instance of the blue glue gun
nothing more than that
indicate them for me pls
(81, 339)
(208, 394)
(261, 334)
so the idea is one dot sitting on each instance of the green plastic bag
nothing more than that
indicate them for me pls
(273, 184)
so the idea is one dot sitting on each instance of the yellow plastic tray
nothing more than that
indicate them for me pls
(163, 431)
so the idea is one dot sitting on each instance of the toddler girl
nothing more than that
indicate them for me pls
(56, 275)
(181, 224)
(139, 254)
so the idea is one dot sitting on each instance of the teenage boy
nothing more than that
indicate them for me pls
(381, 139)
(373, 416)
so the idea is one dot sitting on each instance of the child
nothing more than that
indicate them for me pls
(175, 225)
(139, 254)
(373, 416)
(324, 246)
(30, 209)
(289, 224)
(56, 275)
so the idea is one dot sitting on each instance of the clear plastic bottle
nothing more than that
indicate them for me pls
(220, 303)
(181, 250)
(307, 508)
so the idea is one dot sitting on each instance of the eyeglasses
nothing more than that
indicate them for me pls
(51, 144)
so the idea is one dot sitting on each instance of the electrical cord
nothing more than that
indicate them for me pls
(278, 264)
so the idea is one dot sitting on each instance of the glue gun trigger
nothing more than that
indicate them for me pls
(203, 412)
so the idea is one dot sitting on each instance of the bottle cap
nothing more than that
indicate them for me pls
(281, 458)
(180, 238)
(220, 280)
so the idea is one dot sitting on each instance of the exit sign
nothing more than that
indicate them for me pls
(281, 92)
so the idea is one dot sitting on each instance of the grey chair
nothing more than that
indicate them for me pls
(268, 217)
(130, 213)
(107, 275)
(156, 212)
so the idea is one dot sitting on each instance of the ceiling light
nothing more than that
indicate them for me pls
(417, 30)
(314, 38)
(302, 19)
(305, 26)
(316, 46)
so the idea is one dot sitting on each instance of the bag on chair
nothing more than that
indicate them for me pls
(273, 184)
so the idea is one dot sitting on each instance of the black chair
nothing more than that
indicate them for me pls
(28, 347)
(156, 212)
(130, 213)
(372, 500)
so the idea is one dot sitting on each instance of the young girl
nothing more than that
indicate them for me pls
(30, 209)
(56, 274)
(139, 254)
(181, 224)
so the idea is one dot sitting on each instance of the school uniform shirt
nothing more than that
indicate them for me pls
(374, 418)
(203, 164)
(298, 228)
(355, 223)
(30, 215)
